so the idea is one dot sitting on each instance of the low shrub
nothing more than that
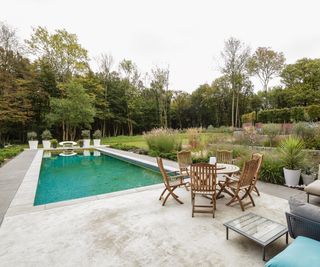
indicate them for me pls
(271, 130)
(272, 170)
(46, 135)
(85, 134)
(163, 140)
(97, 134)
(32, 136)
(130, 148)
(9, 152)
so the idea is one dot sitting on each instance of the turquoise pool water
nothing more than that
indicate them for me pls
(65, 178)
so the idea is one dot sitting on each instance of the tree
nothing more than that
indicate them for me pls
(60, 50)
(235, 56)
(160, 84)
(266, 64)
(74, 110)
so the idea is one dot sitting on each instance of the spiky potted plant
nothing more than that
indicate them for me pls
(97, 138)
(46, 136)
(292, 157)
(32, 139)
(86, 138)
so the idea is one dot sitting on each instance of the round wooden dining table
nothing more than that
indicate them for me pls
(228, 169)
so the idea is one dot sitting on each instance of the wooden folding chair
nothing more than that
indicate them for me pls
(258, 157)
(224, 156)
(203, 182)
(234, 186)
(170, 183)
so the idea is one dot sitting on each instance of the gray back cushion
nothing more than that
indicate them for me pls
(304, 209)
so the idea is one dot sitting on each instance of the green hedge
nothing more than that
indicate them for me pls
(285, 115)
(9, 152)
(249, 117)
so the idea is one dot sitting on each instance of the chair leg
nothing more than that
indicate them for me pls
(192, 202)
(240, 202)
(251, 198)
(256, 190)
(165, 200)
(164, 190)
(308, 197)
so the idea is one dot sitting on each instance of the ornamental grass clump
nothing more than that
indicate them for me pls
(291, 153)
(194, 137)
(163, 140)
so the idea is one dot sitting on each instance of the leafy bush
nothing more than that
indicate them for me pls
(249, 117)
(46, 135)
(163, 140)
(289, 114)
(97, 134)
(85, 134)
(297, 114)
(9, 152)
(32, 136)
(314, 112)
(271, 130)
(210, 128)
(291, 153)
(272, 170)
(169, 155)
(54, 143)
(309, 132)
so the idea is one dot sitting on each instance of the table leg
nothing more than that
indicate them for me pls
(227, 233)
(287, 238)
(264, 253)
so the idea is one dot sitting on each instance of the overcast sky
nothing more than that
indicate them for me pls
(186, 35)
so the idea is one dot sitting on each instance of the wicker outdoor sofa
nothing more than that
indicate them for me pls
(304, 226)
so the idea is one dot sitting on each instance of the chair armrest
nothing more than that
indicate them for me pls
(176, 177)
(300, 226)
(233, 178)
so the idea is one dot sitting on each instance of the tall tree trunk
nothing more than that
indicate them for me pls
(232, 109)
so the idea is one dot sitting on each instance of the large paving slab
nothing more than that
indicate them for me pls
(11, 176)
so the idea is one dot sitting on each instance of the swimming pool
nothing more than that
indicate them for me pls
(65, 178)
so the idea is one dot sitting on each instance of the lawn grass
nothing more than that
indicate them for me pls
(138, 140)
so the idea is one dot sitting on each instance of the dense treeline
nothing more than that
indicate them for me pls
(46, 83)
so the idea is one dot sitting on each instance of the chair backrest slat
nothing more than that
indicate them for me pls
(224, 156)
(184, 159)
(258, 157)
(203, 177)
(163, 171)
(248, 173)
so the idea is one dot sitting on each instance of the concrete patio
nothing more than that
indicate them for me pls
(131, 228)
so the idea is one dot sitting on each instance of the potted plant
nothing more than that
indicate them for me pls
(86, 138)
(292, 156)
(308, 176)
(97, 138)
(46, 136)
(32, 138)
(54, 143)
(80, 142)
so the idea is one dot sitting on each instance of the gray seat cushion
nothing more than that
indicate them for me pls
(313, 188)
(305, 210)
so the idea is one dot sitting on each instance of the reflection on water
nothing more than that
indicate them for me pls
(46, 154)
(96, 153)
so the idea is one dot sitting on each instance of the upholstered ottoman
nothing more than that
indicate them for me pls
(313, 189)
